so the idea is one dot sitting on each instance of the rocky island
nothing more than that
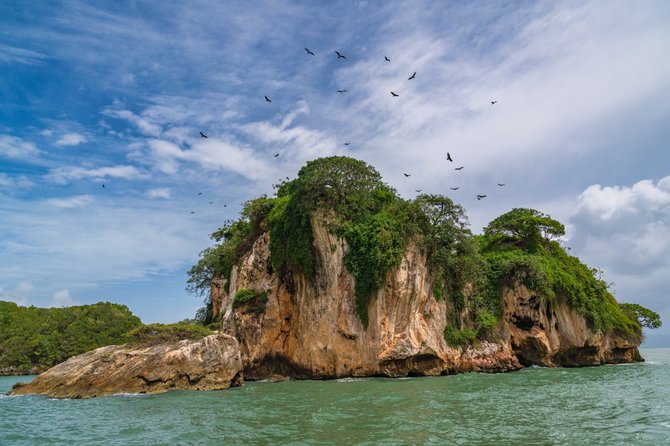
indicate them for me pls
(338, 276)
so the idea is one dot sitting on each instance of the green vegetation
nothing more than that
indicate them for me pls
(518, 248)
(644, 316)
(39, 338)
(468, 272)
(153, 334)
(233, 240)
(251, 300)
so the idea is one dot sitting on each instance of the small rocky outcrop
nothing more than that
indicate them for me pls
(211, 363)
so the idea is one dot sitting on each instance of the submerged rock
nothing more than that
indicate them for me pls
(211, 363)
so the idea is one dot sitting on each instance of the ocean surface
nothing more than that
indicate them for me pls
(609, 405)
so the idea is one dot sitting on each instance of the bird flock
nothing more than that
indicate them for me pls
(339, 56)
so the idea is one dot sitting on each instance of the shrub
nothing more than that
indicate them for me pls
(154, 334)
(252, 301)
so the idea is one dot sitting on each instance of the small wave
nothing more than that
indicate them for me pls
(348, 379)
(665, 424)
(653, 362)
(130, 395)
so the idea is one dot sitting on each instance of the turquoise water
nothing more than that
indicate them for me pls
(610, 405)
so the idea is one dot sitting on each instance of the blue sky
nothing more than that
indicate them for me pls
(116, 95)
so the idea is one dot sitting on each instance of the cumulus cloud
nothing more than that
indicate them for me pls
(71, 202)
(161, 192)
(63, 175)
(17, 148)
(625, 230)
(71, 139)
(62, 298)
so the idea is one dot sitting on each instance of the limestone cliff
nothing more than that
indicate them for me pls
(313, 331)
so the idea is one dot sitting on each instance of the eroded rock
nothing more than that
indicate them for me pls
(211, 363)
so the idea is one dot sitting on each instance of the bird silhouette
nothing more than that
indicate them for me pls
(339, 55)
(501, 184)
(449, 157)
(276, 155)
(341, 91)
(202, 135)
(267, 99)
(459, 168)
(309, 52)
(192, 212)
(418, 190)
(407, 174)
(211, 202)
(412, 76)
(394, 95)
(199, 193)
(453, 188)
(347, 143)
(103, 186)
(387, 59)
(494, 102)
(479, 197)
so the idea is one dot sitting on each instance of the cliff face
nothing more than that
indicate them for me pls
(312, 330)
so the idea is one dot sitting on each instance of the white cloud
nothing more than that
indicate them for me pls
(161, 192)
(47, 133)
(21, 294)
(62, 298)
(17, 148)
(142, 124)
(63, 175)
(12, 54)
(71, 139)
(14, 182)
(211, 154)
(77, 201)
(625, 230)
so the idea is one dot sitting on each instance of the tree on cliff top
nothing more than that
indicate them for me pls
(645, 317)
(526, 228)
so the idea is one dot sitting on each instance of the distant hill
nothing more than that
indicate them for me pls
(33, 339)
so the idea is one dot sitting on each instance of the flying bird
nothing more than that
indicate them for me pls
(211, 202)
(339, 55)
(309, 52)
(407, 174)
(394, 95)
(199, 193)
(479, 197)
(418, 190)
(453, 188)
(103, 186)
(276, 155)
(341, 91)
(387, 59)
(192, 212)
(267, 99)
(202, 135)
(494, 102)
(347, 143)
(449, 157)
(412, 76)
(501, 184)
(459, 168)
